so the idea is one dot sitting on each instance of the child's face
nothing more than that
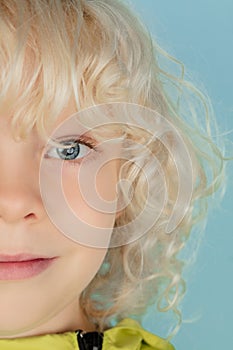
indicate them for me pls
(43, 295)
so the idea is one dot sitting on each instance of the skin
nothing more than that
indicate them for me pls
(48, 302)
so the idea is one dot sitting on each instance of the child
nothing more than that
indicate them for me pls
(102, 177)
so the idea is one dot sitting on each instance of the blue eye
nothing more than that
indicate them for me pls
(69, 153)
(70, 150)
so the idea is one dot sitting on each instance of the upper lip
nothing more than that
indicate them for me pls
(21, 257)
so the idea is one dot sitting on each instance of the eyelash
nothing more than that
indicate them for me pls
(81, 140)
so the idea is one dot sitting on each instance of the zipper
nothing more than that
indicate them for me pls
(89, 340)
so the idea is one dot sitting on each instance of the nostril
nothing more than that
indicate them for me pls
(30, 216)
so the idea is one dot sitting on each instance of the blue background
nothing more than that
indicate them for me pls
(200, 34)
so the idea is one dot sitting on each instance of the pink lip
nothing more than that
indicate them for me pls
(22, 266)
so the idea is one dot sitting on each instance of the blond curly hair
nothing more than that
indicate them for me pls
(97, 52)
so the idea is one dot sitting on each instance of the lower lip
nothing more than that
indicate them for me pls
(17, 270)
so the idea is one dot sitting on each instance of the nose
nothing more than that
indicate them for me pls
(20, 199)
(18, 204)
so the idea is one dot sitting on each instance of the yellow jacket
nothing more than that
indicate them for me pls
(127, 335)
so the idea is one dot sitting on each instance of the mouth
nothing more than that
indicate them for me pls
(23, 266)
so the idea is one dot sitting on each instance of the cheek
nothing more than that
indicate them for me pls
(85, 263)
(91, 192)
(80, 198)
